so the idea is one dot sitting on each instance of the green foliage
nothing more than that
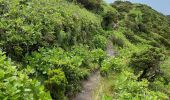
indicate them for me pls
(83, 55)
(56, 83)
(98, 55)
(48, 60)
(109, 65)
(26, 27)
(132, 37)
(165, 69)
(105, 97)
(110, 17)
(124, 83)
(16, 84)
(122, 6)
(76, 65)
(168, 16)
(143, 21)
(100, 42)
(94, 5)
(154, 21)
(53, 43)
(148, 62)
(160, 86)
(118, 38)
(128, 88)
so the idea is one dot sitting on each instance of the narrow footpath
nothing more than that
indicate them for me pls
(90, 85)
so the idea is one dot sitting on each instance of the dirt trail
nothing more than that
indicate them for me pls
(90, 85)
(110, 51)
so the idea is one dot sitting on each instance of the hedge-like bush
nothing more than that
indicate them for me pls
(148, 62)
(16, 85)
(56, 83)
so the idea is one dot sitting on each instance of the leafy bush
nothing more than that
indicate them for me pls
(148, 62)
(128, 88)
(110, 17)
(165, 70)
(131, 37)
(100, 42)
(16, 84)
(56, 83)
(25, 27)
(72, 63)
(98, 55)
(45, 39)
(122, 6)
(51, 59)
(94, 5)
(118, 38)
(109, 65)
(83, 52)
(159, 85)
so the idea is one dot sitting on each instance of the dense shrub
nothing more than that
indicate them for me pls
(154, 21)
(109, 65)
(164, 41)
(131, 36)
(56, 83)
(100, 42)
(117, 38)
(142, 28)
(110, 20)
(159, 85)
(154, 43)
(165, 71)
(94, 5)
(45, 39)
(128, 88)
(98, 55)
(148, 62)
(124, 83)
(83, 52)
(122, 6)
(142, 20)
(16, 84)
(48, 60)
(25, 27)
(75, 64)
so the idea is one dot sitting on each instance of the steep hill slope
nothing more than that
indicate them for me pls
(143, 22)
(29, 25)
(57, 44)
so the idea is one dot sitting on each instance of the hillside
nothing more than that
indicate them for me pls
(168, 17)
(49, 47)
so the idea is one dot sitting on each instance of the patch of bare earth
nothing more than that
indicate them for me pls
(88, 87)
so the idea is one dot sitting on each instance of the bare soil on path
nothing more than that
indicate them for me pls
(90, 85)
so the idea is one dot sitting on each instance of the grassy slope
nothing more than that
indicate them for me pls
(68, 24)
(138, 41)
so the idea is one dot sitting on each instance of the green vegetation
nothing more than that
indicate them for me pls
(56, 83)
(15, 84)
(49, 47)
(147, 62)
(27, 26)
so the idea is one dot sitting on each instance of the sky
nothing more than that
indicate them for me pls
(162, 6)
